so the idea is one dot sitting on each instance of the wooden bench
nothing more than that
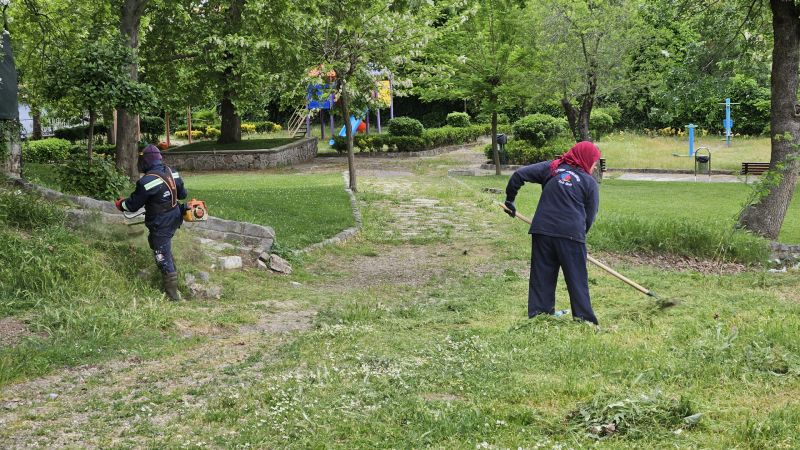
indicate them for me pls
(753, 168)
(602, 165)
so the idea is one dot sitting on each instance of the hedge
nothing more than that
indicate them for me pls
(47, 150)
(537, 129)
(521, 152)
(458, 119)
(431, 138)
(405, 126)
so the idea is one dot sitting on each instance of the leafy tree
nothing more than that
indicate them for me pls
(97, 78)
(354, 39)
(480, 48)
(765, 216)
(582, 44)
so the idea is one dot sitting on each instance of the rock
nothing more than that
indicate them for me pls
(264, 256)
(493, 190)
(201, 291)
(261, 264)
(52, 396)
(278, 264)
(190, 279)
(230, 262)
(295, 284)
(781, 270)
(203, 276)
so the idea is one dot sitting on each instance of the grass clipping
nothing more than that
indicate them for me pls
(605, 416)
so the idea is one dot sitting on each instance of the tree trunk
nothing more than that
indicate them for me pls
(189, 123)
(766, 216)
(127, 122)
(572, 117)
(36, 115)
(348, 130)
(322, 124)
(166, 126)
(231, 122)
(92, 120)
(495, 151)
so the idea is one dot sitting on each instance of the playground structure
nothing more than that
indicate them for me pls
(318, 102)
(727, 122)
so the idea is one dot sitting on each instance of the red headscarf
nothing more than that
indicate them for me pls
(583, 154)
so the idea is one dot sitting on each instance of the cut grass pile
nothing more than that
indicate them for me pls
(303, 209)
(681, 218)
(245, 144)
(634, 151)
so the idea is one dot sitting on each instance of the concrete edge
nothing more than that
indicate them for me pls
(279, 149)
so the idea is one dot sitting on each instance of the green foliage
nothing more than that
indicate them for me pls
(605, 416)
(246, 144)
(99, 179)
(458, 119)
(440, 137)
(539, 128)
(183, 134)
(46, 150)
(405, 126)
(212, 133)
(17, 210)
(434, 119)
(600, 123)
(79, 132)
(152, 127)
(267, 127)
(106, 150)
(405, 143)
(523, 153)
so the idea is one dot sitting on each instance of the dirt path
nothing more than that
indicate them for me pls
(128, 401)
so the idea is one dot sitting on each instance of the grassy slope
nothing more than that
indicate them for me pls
(303, 209)
(245, 144)
(451, 362)
(635, 151)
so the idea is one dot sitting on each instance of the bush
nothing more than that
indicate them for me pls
(267, 127)
(405, 126)
(72, 134)
(184, 134)
(100, 179)
(212, 133)
(434, 119)
(440, 137)
(248, 127)
(458, 119)
(16, 211)
(600, 124)
(47, 150)
(107, 150)
(152, 125)
(612, 110)
(502, 118)
(405, 143)
(521, 152)
(539, 128)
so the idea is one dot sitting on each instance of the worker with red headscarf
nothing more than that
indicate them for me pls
(565, 214)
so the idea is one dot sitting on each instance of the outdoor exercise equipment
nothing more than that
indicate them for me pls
(728, 121)
(661, 302)
(690, 129)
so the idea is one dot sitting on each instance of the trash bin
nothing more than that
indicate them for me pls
(702, 162)
(502, 139)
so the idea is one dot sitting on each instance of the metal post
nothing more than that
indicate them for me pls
(308, 123)
(378, 114)
(367, 130)
(391, 97)
(691, 128)
(728, 123)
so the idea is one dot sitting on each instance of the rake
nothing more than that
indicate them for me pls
(661, 302)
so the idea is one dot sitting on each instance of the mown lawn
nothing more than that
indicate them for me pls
(303, 209)
(634, 151)
(707, 209)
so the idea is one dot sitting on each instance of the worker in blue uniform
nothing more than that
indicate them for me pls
(158, 191)
(565, 213)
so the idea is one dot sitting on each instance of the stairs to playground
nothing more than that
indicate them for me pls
(298, 122)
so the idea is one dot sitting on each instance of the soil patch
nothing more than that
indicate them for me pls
(281, 322)
(12, 331)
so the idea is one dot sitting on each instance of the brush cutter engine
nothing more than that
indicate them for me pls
(195, 211)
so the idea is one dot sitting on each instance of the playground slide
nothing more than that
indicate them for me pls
(354, 123)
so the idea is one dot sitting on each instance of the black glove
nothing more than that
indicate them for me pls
(511, 209)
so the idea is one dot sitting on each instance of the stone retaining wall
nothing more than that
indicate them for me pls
(256, 238)
(784, 254)
(292, 153)
(433, 152)
(11, 164)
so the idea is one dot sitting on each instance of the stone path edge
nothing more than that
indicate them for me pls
(342, 236)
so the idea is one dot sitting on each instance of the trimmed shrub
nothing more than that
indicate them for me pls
(339, 144)
(405, 126)
(100, 179)
(612, 110)
(440, 137)
(248, 127)
(46, 150)
(267, 127)
(152, 125)
(521, 152)
(184, 134)
(600, 124)
(212, 133)
(539, 128)
(72, 134)
(434, 119)
(405, 143)
(502, 118)
(80, 150)
(458, 119)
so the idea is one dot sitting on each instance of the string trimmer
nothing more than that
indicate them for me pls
(662, 303)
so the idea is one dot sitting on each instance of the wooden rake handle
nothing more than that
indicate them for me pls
(591, 259)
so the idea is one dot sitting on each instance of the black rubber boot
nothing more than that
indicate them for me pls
(171, 286)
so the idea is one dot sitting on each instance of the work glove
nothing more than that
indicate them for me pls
(118, 203)
(511, 209)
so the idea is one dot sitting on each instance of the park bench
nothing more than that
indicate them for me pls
(753, 168)
(602, 166)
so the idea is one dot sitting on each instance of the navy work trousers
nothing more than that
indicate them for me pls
(162, 251)
(548, 254)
